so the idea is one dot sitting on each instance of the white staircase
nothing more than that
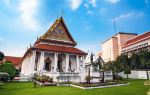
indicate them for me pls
(23, 78)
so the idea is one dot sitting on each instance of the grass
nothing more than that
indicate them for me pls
(19, 88)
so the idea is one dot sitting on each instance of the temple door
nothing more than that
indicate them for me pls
(48, 64)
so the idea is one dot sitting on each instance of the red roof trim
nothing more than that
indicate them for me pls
(137, 39)
(63, 49)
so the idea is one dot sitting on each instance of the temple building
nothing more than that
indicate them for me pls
(112, 47)
(137, 44)
(54, 54)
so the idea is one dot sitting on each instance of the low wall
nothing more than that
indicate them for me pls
(136, 74)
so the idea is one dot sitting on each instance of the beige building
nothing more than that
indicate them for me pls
(112, 47)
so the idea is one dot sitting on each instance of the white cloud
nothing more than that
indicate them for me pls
(94, 47)
(93, 3)
(112, 1)
(90, 3)
(86, 5)
(28, 9)
(75, 4)
(132, 14)
(15, 51)
(89, 12)
(103, 11)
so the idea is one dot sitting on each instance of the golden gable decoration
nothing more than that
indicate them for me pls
(58, 32)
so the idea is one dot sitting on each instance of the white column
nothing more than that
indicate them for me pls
(67, 62)
(78, 64)
(83, 61)
(55, 61)
(32, 62)
(41, 62)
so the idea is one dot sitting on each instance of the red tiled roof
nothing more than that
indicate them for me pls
(137, 39)
(54, 48)
(15, 60)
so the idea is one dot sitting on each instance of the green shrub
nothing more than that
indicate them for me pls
(7, 67)
(119, 78)
(88, 78)
(42, 78)
(38, 78)
(50, 79)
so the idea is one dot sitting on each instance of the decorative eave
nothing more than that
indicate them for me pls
(54, 48)
(55, 41)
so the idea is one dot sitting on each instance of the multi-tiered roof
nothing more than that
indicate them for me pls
(57, 39)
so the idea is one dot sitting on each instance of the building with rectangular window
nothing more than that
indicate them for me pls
(137, 44)
(112, 47)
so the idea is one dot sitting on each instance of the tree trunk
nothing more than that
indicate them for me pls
(89, 76)
(103, 77)
(127, 76)
(147, 74)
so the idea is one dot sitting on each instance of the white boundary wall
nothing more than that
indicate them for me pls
(136, 74)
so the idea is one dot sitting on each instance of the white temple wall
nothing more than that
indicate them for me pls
(41, 62)
(25, 66)
(28, 65)
(32, 62)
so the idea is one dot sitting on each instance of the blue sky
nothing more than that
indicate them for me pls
(90, 21)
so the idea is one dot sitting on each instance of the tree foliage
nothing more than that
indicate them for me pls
(1, 56)
(115, 67)
(7, 67)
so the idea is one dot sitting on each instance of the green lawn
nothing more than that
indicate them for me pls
(135, 88)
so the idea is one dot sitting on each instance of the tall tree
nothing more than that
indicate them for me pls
(115, 67)
(1, 56)
(135, 61)
(145, 61)
(125, 61)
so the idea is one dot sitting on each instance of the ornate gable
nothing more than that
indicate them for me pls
(58, 32)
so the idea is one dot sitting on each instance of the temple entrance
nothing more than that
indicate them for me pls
(69, 65)
(48, 64)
